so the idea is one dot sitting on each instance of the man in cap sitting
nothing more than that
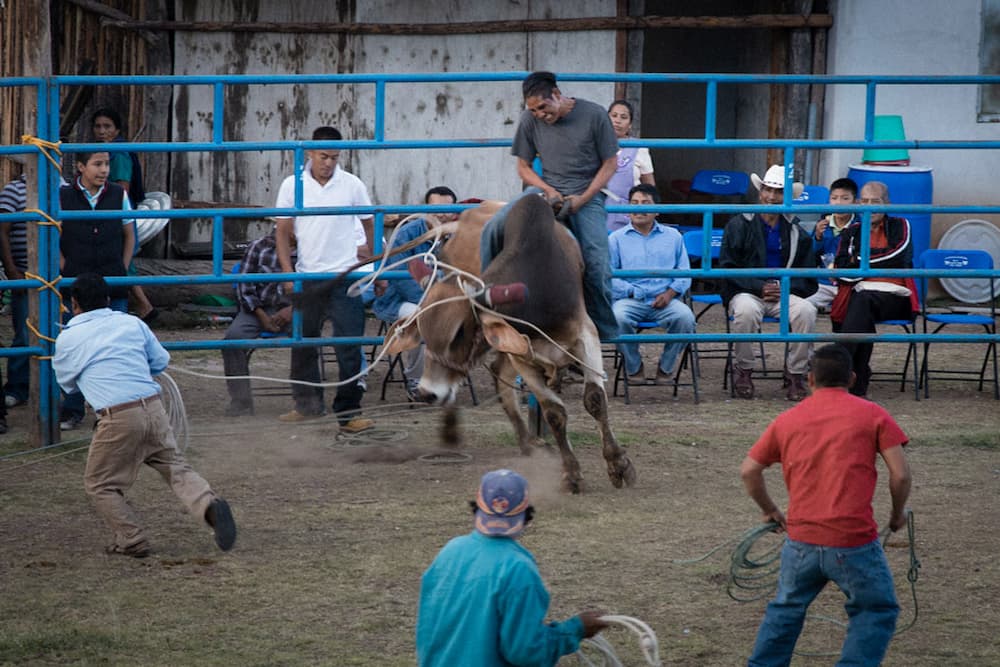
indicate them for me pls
(482, 600)
(776, 241)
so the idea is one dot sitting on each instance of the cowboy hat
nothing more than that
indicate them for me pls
(775, 178)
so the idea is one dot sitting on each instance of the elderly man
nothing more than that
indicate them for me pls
(860, 303)
(646, 244)
(482, 600)
(578, 148)
(773, 241)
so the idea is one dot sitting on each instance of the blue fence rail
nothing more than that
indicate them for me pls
(48, 92)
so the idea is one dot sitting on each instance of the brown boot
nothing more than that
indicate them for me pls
(796, 386)
(742, 382)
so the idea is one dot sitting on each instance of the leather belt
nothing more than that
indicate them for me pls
(106, 412)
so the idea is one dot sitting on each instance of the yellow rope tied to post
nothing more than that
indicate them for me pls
(49, 220)
(44, 146)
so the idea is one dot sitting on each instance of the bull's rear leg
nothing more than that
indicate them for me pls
(620, 468)
(504, 377)
(595, 400)
(555, 416)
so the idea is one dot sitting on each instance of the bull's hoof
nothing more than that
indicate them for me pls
(572, 485)
(534, 444)
(622, 472)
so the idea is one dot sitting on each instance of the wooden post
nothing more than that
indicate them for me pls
(33, 24)
(796, 115)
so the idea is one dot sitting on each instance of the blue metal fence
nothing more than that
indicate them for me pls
(48, 95)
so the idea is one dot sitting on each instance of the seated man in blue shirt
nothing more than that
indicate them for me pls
(111, 357)
(482, 600)
(646, 244)
(401, 297)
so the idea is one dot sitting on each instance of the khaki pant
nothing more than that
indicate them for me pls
(122, 442)
(748, 310)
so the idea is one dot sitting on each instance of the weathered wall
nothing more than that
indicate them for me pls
(417, 111)
(925, 38)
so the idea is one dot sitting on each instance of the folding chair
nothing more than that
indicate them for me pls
(909, 327)
(693, 244)
(718, 185)
(961, 259)
(720, 182)
(687, 360)
(811, 194)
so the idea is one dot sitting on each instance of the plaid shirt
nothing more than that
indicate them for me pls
(261, 257)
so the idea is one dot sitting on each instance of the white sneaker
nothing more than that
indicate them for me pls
(11, 401)
(70, 424)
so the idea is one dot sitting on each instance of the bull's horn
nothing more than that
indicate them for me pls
(418, 269)
(496, 295)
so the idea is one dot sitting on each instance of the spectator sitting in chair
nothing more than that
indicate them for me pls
(774, 241)
(263, 307)
(401, 297)
(826, 238)
(860, 303)
(646, 244)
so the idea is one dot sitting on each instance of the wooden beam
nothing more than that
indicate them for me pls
(33, 24)
(750, 21)
(115, 16)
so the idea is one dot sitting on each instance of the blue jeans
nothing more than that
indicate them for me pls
(73, 404)
(862, 574)
(588, 226)
(348, 316)
(675, 318)
(18, 368)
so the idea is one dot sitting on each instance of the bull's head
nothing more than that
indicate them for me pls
(456, 340)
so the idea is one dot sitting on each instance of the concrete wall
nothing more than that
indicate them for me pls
(414, 111)
(917, 38)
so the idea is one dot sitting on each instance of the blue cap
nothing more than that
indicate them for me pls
(501, 503)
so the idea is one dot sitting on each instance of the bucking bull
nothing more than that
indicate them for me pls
(458, 333)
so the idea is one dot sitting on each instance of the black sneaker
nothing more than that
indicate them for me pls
(3, 425)
(220, 518)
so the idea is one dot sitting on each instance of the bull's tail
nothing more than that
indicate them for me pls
(322, 289)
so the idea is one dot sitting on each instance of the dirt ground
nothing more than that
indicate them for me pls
(335, 533)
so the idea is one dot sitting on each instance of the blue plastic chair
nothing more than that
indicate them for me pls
(812, 194)
(720, 182)
(960, 259)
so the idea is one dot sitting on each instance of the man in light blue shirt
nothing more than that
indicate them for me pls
(111, 358)
(646, 244)
(482, 600)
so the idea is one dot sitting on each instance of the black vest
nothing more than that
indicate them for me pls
(93, 245)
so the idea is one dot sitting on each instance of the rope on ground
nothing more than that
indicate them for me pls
(648, 644)
(7, 471)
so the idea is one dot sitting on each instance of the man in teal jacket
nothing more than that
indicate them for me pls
(482, 600)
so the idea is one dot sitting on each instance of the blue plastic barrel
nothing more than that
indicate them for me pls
(907, 185)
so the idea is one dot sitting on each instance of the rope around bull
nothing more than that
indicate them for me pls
(470, 284)
(758, 575)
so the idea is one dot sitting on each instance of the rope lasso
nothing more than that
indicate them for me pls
(648, 643)
(744, 575)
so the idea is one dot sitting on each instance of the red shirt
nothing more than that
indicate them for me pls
(826, 446)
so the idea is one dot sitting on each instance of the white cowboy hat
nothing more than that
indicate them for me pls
(775, 178)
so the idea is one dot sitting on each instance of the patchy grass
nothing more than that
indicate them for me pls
(327, 565)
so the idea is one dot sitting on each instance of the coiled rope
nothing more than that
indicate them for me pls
(176, 413)
(648, 644)
(753, 577)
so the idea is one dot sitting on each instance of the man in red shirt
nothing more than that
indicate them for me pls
(826, 446)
